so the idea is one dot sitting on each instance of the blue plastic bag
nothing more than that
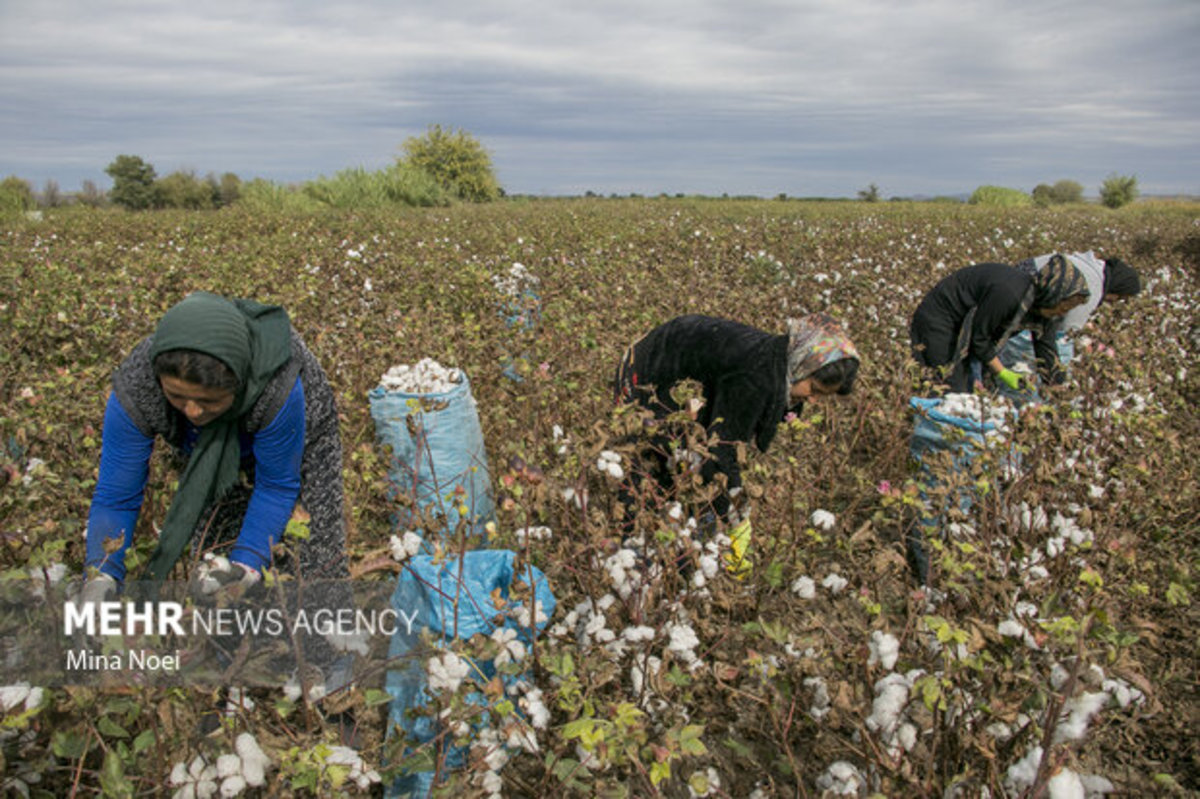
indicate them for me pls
(953, 443)
(453, 599)
(437, 457)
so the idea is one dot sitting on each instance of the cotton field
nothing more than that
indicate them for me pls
(1051, 651)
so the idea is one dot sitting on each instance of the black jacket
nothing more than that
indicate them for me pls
(743, 371)
(993, 291)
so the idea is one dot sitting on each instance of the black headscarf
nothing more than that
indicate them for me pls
(1121, 278)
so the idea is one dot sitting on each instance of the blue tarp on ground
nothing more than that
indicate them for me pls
(451, 599)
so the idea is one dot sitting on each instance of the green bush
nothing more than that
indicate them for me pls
(184, 190)
(457, 161)
(399, 184)
(1000, 197)
(1061, 193)
(264, 196)
(16, 197)
(1118, 190)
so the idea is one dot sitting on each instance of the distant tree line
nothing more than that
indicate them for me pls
(438, 168)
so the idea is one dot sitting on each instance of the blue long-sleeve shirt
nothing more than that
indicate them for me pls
(276, 450)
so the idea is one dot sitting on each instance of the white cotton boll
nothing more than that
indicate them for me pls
(804, 587)
(821, 701)
(891, 695)
(447, 672)
(533, 705)
(405, 546)
(233, 785)
(639, 633)
(1058, 676)
(228, 765)
(841, 779)
(835, 583)
(999, 730)
(179, 775)
(1123, 693)
(1066, 785)
(1023, 773)
(823, 520)
(1024, 608)
(427, 376)
(683, 638)
(538, 533)
(709, 565)
(1096, 786)
(906, 736)
(1079, 711)
(885, 648)
(254, 761)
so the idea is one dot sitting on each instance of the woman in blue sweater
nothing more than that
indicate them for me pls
(232, 388)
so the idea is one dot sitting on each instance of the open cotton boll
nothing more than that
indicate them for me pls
(841, 779)
(804, 587)
(405, 546)
(823, 520)
(254, 761)
(1079, 711)
(821, 701)
(447, 671)
(1023, 773)
(884, 648)
(427, 376)
(1066, 785)
(891, 696)
(835, 583)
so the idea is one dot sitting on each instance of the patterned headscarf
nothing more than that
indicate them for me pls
(815, 341)
(1058, 280)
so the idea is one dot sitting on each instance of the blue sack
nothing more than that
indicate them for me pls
(952, 443)
(437, 457)
(453, 599)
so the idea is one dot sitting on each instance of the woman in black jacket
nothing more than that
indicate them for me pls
(970, 314)
(750, 380)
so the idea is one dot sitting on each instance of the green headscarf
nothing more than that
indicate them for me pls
(253, 340)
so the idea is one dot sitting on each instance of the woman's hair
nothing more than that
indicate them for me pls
(840, 373)
(195, 367)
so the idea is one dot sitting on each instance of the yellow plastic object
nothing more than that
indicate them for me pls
(737, 562)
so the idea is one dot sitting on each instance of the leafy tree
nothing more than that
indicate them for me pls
(227, 189)
(1061, 193)
(133, 182)
(457, 161)
(1118, 190)
(999, 196)
(51, 196)
(90, 195)
(183, 190)
(870, 194)
(16, 196)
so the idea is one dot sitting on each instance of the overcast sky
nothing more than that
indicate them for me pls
(803, 97)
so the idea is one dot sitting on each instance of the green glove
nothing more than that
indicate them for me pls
(1011, 379)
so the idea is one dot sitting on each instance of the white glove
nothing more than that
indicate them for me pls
(218, 573)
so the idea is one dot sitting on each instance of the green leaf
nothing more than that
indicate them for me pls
(143, 741)
(111, 729)
(1178, 595)
(68, 744)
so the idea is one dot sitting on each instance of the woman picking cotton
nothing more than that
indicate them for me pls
(964, 321)
(750, 380)
(231, 387)
(1108, 279)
